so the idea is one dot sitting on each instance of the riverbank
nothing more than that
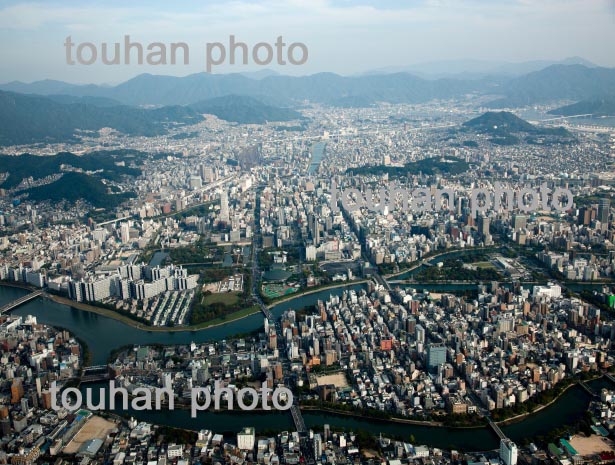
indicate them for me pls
(18, 285)
(438, 424)
(314, 291)
(405, 421)
(522, 416)
(430, 258)
(244, 313)
(219, 321)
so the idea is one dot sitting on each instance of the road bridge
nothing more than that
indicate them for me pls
(22, 300)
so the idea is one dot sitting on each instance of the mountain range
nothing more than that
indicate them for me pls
(27, 119)
(55, 111)
(596, 107)
(554, 83)
(478, 69)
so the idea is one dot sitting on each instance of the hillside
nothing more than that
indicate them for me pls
(498, 122)
(597, 107)
(26, 119)
(78, 186)
(508, 129)
(244, 109)
(428, 167)
(38, 167)
(557, 82)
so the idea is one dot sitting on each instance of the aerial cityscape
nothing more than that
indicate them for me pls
(395, 264)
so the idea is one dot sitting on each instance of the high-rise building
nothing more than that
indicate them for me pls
(483, 226)
(508, 452)
(586, 215)
(604, 207)
(224, 210)
(17, 391)
(436, 356)
(519, 222)
(125, 233)
(317, 446)
(46, 397)
(207, 173)
(419, 334)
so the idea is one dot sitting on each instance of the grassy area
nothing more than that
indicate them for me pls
(225, 298)
(484, 265)
(228, 318)
(453, 269)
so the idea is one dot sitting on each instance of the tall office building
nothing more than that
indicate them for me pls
(508, 452)
(224, 211)
(519, 222)
(317, 446)
(604, 206)
(207, 173)
(419, 334)
(436, 356)
(483, 225)
(125, 233)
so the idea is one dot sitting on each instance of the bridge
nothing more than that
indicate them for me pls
(95, 373)
(298, 419)
(22, 300)
(265, 311)
(610, 377)
(496, 428)
(587, 388)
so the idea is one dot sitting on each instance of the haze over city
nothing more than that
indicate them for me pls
(343, 37)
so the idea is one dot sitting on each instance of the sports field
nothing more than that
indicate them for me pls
(95, 427)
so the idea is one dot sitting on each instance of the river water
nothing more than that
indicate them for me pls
(318, 152)
(103, 334)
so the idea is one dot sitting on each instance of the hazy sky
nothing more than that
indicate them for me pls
(342, 36)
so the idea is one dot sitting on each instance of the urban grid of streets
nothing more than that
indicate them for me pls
(262, 225)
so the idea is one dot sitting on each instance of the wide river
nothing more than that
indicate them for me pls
(103, 334)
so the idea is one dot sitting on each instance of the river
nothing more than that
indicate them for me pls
(103, 334)
(318, 152)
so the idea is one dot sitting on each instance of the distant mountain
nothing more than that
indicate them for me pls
(352, 101)
(508, 129)
(558, 82)
(26, 119)
(597, 107)
(494, 122)
(96, 101)
(50, 86)
(575, 80)
(148, 89)
(79, 186)
(477, 69)
(261, 74)
(244, 109)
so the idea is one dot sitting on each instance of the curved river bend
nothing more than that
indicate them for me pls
(103, 334)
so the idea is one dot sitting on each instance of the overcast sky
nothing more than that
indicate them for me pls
(342, 36)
